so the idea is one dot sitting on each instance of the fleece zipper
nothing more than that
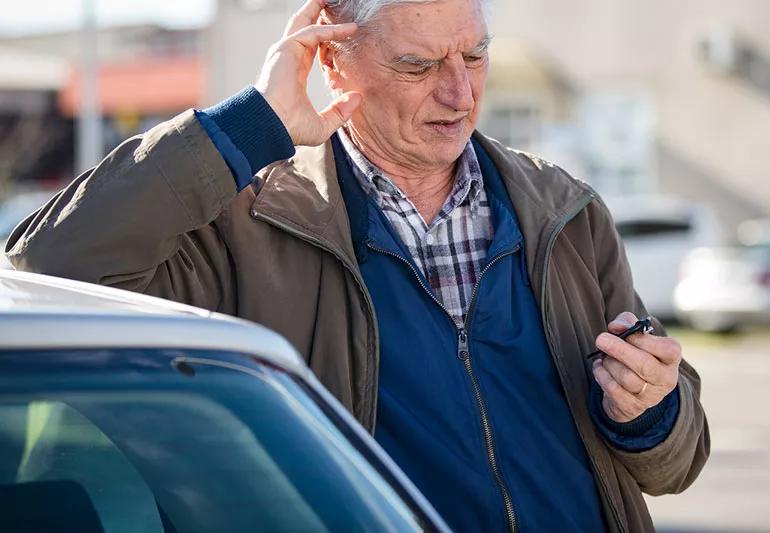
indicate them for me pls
(463, 353)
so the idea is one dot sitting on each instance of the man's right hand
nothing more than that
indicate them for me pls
(283, 79)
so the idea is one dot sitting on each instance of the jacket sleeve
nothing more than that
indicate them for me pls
(672, 465)
(143, 220)
(644, 432)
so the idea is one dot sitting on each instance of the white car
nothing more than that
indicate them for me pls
(125, 413)
(658, 232)
(724, 288)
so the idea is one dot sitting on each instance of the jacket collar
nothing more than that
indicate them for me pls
(305, 193)
(544, 198)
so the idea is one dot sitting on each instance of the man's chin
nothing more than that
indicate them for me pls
(446, 152)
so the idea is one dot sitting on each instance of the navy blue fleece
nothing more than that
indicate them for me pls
(642, 433)
(247, 133)
(428, 416)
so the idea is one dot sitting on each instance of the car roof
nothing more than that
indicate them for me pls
(634, 207)
(44, 312)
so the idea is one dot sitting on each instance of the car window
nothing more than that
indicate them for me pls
(652, 228)
(53, 456)
(188, 441)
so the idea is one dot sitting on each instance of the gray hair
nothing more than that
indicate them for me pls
(363, 12)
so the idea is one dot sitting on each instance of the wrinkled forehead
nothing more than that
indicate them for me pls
(432, 29)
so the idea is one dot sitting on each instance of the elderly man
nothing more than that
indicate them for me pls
(445, 288)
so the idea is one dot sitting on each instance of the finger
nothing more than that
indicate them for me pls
(622, 322)
(339, 112)
(306, 16)
(667, 350)
(646, 365)
(627, 378)
(624, 401)
(312, 36)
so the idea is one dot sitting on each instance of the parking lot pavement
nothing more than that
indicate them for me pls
(732, 493)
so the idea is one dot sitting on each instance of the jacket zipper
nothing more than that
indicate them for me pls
(544, 318)
(463, 353)
(256, 215)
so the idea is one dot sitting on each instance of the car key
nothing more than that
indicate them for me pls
(642, 326)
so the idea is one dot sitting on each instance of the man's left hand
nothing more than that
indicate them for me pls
(638, 372)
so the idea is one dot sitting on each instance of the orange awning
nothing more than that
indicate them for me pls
(147, 86)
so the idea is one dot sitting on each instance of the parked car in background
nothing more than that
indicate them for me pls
(725, 288)
(658, 232)
(120, 412)
(755, 232)
(13, 211)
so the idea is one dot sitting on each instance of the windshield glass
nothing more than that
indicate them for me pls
(152, 440)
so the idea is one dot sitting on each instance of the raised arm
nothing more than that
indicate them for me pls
(145, 218)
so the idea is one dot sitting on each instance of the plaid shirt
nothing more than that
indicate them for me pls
(450, 251)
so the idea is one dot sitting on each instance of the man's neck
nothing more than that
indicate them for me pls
(427, 188)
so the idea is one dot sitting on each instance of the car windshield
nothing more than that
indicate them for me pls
(652, 228)
(181, 441)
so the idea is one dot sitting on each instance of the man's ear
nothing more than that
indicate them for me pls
(327, 59)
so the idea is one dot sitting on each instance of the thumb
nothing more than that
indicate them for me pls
(622, 322)
(340, 110)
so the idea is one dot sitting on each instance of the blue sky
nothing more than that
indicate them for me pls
(30, 16)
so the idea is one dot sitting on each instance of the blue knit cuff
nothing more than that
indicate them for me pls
(642, 433)
(237, 163)
(253, 128)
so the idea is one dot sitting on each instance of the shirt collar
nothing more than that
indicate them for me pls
(376, 184)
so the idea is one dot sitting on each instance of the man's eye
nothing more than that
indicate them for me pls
(418, 71)
(473, 59)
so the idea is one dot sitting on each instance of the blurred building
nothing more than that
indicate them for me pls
(237, 42)
(116, 43)
(669, 97)
(146, 74)
(35, 141)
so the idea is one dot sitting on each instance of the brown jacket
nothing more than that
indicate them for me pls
(160, 215)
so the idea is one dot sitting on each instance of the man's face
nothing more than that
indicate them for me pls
(421, 72)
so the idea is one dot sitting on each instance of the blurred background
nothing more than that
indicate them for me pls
(664, 107)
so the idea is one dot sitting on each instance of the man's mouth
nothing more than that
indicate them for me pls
(446, 122)
(447, 127)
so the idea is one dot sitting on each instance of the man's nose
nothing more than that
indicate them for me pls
(454, 86)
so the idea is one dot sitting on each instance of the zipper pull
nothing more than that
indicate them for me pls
(462, 345)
